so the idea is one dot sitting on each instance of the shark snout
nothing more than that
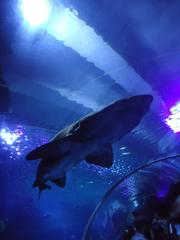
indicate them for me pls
(142, 101)
(146, 102)
(147, 99)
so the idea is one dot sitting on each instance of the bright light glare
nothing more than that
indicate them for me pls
(10, 137)
(7, 136)
(35, 12)
(173, 121)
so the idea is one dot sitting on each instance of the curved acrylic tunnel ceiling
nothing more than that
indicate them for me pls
(89, 55)
(115, 212)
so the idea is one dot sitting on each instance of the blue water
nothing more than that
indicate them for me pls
(59, 213)
(85, 56)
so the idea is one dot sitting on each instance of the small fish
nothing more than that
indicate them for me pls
(88, 139)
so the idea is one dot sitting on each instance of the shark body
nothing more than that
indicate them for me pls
(88, 139)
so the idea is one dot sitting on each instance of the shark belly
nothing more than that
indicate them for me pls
(111, 133)
(108, 134)
(77, 154)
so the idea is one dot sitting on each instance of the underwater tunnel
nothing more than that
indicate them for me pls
(142, 191)
(89, 120)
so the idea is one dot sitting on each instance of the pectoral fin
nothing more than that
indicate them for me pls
(54, 148)
(61, 182)
(103, 157)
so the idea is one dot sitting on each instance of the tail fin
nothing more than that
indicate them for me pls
(41, 187)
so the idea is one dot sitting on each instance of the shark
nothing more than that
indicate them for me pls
(90, 139)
